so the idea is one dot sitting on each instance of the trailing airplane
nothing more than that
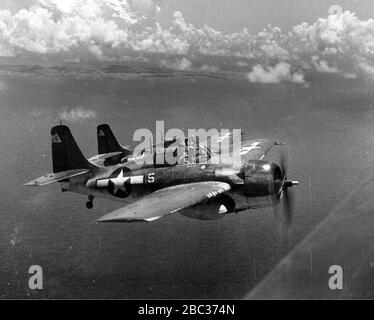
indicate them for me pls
(108, 145)
(197, 190)
(111, 152)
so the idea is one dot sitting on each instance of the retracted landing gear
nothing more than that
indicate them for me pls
(89, 203)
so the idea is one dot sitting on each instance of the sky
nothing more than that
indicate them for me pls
(254, 15)
(234, 15)
(272, 41)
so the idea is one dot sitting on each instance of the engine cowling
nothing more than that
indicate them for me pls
(262, 179)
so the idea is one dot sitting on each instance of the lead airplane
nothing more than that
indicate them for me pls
(197, 190)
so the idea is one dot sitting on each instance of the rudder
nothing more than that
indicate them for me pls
(107, 142)
(66, 154)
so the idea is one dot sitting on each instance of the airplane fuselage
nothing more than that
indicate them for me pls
(252, 185)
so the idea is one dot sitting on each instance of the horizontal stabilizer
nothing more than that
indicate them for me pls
(55, 177)
(153, 219)
(105, 156)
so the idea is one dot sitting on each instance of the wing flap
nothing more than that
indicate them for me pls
(165, 201)
(55, 177)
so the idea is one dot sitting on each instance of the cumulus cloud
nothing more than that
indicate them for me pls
(367, 68)
(341, 38)
(208, 68)
(279, 73)
(183, 64)
(77, 115)
(114, 29)
(71, 26)
(322, 66)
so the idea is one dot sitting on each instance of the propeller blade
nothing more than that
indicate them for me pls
(288, 206)
(285, 193)
(283, 163)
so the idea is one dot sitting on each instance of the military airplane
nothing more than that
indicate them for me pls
(111, 152)
(198, 190)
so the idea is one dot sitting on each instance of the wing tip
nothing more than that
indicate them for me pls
(127, 220)
(32, 183)
(108, 219)
(102, 220)
(105, 219)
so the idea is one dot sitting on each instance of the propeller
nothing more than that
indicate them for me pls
(286, 195)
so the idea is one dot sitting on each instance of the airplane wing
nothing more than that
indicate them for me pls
(55, 177)
(255, 149)
(165, 201)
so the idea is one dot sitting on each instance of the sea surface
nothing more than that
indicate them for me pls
(327, 124)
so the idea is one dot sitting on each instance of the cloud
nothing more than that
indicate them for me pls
(116, 29)
(343, 39)
(208, 68)
(241, 64)
(322, 66)
(77, 115)
(366, 68)
(279, 73)
(350, 75)
(75, 27)
(183, 64)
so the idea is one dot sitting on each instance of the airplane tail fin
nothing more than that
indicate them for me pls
(66, 154)
(107, 142)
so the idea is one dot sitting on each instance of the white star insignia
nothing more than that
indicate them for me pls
(119, 182)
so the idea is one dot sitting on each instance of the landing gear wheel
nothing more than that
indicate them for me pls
(89, 203)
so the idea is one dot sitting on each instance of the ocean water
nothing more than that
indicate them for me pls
(327, 125)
